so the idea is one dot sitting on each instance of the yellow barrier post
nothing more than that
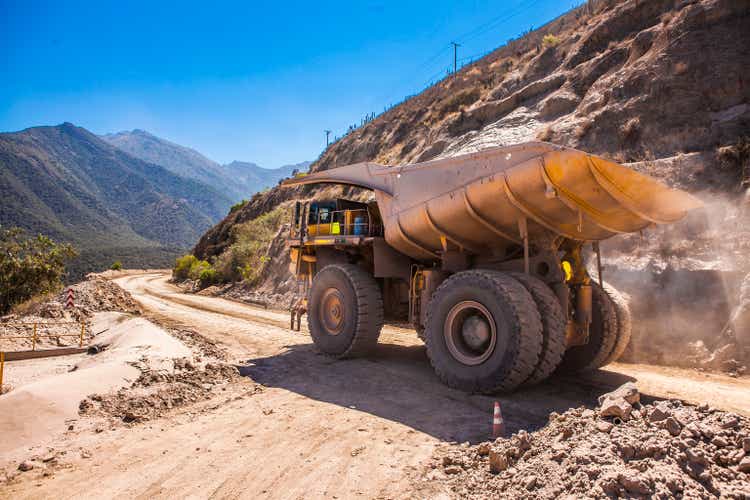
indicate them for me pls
(2, 369)
(83, 328)
(33, 339)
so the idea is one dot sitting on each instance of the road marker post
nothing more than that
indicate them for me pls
(498, 426)
(83, 329)
(33, 339)
(2, 369)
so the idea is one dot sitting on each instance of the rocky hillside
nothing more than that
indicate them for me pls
(659, 83)
(239, 180)
(67, 183)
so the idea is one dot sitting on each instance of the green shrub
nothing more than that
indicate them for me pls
(116, 266)
(237, 206)
(246, 258)
(29, 266)
(550, 41)
(182, 266)
(207, 277)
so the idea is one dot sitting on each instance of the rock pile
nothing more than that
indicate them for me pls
(90, 296)
(53, 318)
(621, 449)
(158, 391)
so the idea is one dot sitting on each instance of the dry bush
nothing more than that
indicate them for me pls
(631, 130)
(545, 134)
(460, 100)
(583, 128)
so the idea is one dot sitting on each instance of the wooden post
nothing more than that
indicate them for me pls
(2, 368)
(33, 339)
(83, 329)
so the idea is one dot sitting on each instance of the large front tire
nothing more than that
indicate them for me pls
(484, 333)
(345, 311)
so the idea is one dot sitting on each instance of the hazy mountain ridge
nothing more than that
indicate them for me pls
(65, 182)
(238, 179)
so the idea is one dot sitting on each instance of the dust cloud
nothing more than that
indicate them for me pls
(684, 282)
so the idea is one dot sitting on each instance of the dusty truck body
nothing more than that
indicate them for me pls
(482, 253)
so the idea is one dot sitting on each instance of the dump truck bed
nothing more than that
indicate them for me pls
(484, 202)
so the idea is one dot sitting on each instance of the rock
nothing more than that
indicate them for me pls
(730, 422)
(719, 442)
(498, 462)
(746, 444)
(453, 469)
(483, 449)
(673, 426)
(628, 392)
(635, 484)
(530, 483)
(659, 412)
(615, 408)
(524, 441)
(744, 465)
(26, 466)
(603, 426)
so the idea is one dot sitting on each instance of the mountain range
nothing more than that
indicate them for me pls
(142, 207)
(239, 180)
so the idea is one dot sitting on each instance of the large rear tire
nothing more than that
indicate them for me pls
(484, 333)
(602, 336)
(345, 312)
(624, 323)
(553, 326)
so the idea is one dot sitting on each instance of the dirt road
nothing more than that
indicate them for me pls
(320, 428)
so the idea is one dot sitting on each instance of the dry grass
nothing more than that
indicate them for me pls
(545, 134)
(583, 128)
(631, 130)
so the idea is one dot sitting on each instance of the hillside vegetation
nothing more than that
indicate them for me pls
(68, 184)
(29, 266)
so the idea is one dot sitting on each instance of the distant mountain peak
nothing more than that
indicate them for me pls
(238, 179)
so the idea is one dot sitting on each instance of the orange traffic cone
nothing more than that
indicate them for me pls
(498, 426)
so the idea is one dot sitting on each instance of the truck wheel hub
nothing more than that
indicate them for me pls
(332, 311)
(469, 333)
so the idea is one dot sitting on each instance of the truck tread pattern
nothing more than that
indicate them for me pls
(595, 354)
(369, 310)
(525, 327)
(553, 326)
(624, 322)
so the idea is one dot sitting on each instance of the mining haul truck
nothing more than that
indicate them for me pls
(482, 253)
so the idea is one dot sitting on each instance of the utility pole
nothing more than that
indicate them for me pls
(328, 132)
(455, 57)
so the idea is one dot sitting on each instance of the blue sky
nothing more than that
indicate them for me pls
(251, 81)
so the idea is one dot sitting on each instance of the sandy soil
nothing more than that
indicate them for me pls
(319, 428)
